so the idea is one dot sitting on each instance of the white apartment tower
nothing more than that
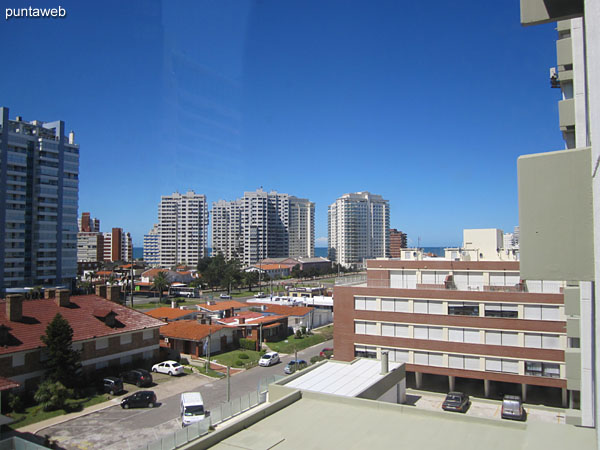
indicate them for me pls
(263, 225)
(39, 187)
(183, 228)
(302, 228)
(359, 228)
(227, 231)
(152, 247)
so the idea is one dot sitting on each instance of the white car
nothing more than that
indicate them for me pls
(268, 359)
(168, 367)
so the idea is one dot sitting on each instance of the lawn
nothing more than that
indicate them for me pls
(293, 343)
(230, 358)
(155, 304)
(325, 331)
(35, 414)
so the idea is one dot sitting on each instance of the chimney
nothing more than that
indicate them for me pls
(14, 307)
(101, 290)
(62, 298)
(113, 293)
(49, 293)
(242, 320)
(385, 368)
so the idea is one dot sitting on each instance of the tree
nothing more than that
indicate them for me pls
(64, 363)
(160, 283)
(250, 279)
(296, 271)
(52, 395)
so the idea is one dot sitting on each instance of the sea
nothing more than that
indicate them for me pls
(138, 252)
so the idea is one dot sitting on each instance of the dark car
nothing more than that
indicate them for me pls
(456, 401)
(139, 377)
(139, 400)
(112, 385)
(512, 408)
(293, 365)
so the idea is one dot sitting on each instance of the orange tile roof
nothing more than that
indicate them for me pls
(167, 313)
(273, 266)
(222, 306)
(37, 314)
(104, 272)
(152, 272)
(288, 310)
(7, 383)
(189, 330)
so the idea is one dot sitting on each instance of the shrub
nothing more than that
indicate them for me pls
(184, 362)
(316, 359)
(238, 363)
(304, 330)
(15, 403)
(298, 334)
(248, 344)
(243, 356)
(328, 354)
(52, 395)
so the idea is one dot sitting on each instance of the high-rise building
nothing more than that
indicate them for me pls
(39, 186)
(183, 229)
(117, 245)
(263, 225)
(152, 246)
(227, 231)
(90, 247)
(397, 243)
(302, 228)
(87, 224)
(359, 228)
(559, 197)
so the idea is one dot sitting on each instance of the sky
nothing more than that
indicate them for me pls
(428, 104)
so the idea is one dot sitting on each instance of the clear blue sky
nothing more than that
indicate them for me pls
(428, 104)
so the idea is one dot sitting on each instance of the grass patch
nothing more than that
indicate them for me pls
(155, 304)
(229, 358)
(325, 331)
(35, 414)
(210, 372)
(293, 343)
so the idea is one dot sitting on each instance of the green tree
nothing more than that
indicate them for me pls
(232, 275)
(52, 395)
(250, 279)
(160, 284)
(64, 363)
(296, 271)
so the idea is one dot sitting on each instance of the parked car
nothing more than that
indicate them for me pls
(512, 408)
(112, 385)
(168, 367)
(260, 295)
(268, 359)
(139, 377)
(139, 399)
(291, 366)
(456, 401)
(192, 408)
(225, 296)
(327, 352)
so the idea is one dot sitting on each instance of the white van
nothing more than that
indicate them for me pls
(192, 408)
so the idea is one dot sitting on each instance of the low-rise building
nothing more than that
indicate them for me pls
(192, 338)
(106, 333)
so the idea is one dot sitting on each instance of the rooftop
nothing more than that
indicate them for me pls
(170, 313)
(222, 306)
(189, 330)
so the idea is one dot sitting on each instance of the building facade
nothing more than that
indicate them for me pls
(263, 225)
(359, 228)
(87, 224)
(460, 319)
(183, 229)
(152, 247)
(559, 194)
(39, 187)
(90, 247)
(117, 246)
(397, 242)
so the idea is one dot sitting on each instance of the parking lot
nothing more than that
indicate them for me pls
(483, 407)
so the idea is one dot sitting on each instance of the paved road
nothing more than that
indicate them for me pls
(116, 428)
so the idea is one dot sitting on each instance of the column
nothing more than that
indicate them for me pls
(451, 382)
(486, 387)
(524, 392)
(418, 379)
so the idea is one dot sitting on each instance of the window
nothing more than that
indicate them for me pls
(148, 334)
(394, 330)
(362, 351)
(125, 339)
(536, 312)
(434, 333)
(536, 340)
(394, 305)
(468, 335)
(502, 338)
(18, 359)
(371, 304)
(361, 327)
(101, 343)
(463, 362)
(428, 307)
(502, 365)
(501, 310)
(125, 360)
(573, 342)
(541, 369)
(463, 309)
(101, 365)
(429, 359)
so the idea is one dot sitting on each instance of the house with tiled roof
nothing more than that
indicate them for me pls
(272, 270)
(172, 314)
(227, 308)
(192, 338)
(256, 326)
(298, 316)
(106, 333)
(172, 276)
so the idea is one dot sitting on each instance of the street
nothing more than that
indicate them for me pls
(116, 428)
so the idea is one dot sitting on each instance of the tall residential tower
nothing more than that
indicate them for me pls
(39, 186)
(359, 228)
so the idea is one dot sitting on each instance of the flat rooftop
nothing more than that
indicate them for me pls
(318, 421)
(340, 378)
